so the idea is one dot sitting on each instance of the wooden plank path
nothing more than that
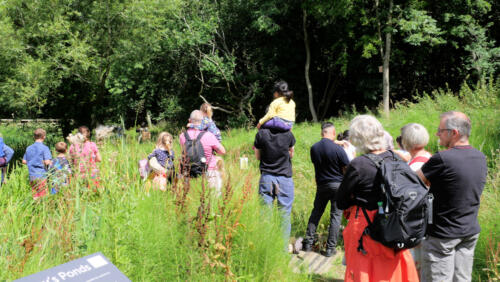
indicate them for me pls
(328, 268)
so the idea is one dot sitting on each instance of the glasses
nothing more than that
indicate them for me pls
(442, 129)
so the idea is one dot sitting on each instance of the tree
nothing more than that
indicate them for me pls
(307, 65)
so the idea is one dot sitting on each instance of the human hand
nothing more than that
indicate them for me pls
(258, 125)
(341, 143)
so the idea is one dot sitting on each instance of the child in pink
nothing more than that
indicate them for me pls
(85, 156)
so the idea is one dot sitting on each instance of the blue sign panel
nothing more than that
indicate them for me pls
(93, 268)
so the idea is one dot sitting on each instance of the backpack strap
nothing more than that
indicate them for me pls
(198, 138)
(376, 159)
(361, 248)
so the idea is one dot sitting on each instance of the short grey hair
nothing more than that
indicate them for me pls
(196, 117)
(367, 134)
(413, 136)
(458, 121)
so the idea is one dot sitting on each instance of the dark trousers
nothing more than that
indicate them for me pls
(325, 194)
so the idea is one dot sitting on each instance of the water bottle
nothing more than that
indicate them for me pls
(380, 208)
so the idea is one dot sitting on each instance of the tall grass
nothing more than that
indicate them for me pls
(187, 232)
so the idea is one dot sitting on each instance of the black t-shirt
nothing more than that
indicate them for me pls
(457, 177)
(274, 151)
(357, 187)
(328, 159)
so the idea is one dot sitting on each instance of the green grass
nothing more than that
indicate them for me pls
(187, 233)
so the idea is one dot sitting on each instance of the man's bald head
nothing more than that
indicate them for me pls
(196, 117)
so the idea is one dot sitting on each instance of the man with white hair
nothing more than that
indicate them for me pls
(210, 144)
(329, 161)
(456, 177)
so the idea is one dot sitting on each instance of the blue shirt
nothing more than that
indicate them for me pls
(34, 157)
(165, 158)
(9, 153)
(2, 144)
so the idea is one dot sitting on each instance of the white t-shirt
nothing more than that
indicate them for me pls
(417, 162)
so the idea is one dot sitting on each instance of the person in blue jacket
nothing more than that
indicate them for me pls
(6, 153)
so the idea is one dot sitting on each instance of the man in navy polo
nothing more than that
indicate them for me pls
(329, 161)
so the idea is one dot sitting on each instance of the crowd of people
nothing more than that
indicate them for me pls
(345, 176)
(455, 176)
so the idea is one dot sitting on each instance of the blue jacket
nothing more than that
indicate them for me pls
(9, 153)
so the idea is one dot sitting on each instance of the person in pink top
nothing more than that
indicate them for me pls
(210, 144)
(85, 156)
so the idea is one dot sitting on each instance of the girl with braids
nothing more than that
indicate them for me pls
(281, 113)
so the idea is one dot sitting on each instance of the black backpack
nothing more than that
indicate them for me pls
(193, 162)
(405, 208)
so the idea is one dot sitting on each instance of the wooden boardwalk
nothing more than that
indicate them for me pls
(321, 267)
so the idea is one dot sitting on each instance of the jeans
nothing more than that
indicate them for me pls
(324, 194)
(448, 259)
(280, 188)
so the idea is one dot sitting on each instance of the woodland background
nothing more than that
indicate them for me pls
(92, 62)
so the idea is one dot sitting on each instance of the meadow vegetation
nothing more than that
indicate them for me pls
(187, 232)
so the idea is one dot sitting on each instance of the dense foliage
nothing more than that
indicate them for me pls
(94, 61)
(186, 233)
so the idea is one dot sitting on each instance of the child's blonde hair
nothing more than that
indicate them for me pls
(165, 141)
(206, 108)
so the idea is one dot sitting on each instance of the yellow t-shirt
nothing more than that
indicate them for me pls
(280, 108)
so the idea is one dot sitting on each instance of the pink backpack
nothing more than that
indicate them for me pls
(144, 168)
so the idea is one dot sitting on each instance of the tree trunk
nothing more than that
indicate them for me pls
(308, 63)
(387, 58)
(385, 53)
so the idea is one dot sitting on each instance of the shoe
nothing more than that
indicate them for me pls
(330, 252)
(306, 247)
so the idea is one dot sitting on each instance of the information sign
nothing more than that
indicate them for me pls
(92, 268)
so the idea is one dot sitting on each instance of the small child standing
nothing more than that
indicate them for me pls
(85, 156)
(38, 158)
(8, 153)
(3, 159)
(281, 112)
(60, 170)
(161, 160)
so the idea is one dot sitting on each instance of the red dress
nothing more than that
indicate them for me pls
(380, 263)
